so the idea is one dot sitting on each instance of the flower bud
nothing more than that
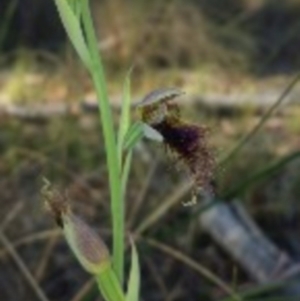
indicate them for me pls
(87, 246)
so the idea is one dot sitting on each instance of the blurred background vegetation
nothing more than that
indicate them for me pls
(210, 49)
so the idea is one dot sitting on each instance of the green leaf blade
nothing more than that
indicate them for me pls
(73, 28)
(134, 134)
(134, 281)
(125, 113)
(126, 171)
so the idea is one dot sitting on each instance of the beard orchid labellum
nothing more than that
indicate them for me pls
(188, 141)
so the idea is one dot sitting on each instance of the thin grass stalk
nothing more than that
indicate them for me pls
(251, 293)
(262, 121)
(260, 175)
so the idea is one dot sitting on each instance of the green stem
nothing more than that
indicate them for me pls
(109, 286)
(117, 207)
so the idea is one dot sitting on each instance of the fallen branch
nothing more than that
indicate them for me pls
(222, 104)
(235, 231)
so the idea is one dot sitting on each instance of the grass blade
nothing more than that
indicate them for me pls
(261, 175)
(263, 120)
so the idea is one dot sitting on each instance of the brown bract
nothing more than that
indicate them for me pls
(56, 203)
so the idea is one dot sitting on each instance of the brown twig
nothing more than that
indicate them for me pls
(194, 265)
(23, 268)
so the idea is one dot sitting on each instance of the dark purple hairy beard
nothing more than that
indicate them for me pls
(189, 142)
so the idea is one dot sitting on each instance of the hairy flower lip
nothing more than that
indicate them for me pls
(157, 96)
(187, 140)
